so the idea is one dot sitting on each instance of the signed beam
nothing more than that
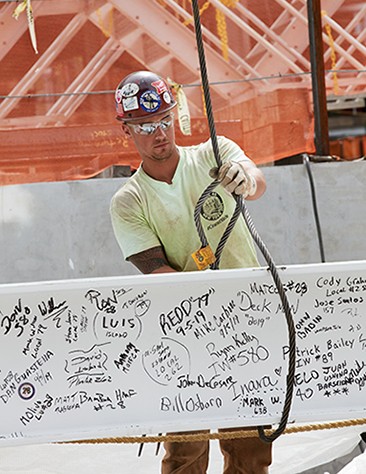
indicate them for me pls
(124, 356)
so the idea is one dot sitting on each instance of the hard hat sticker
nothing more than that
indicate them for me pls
(130, 103)
(119, 110)
(160, 86)
(167, 97)
(130, 89)
(150, 101)
(118, 96)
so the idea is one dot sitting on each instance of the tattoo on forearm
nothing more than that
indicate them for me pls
(149, 260)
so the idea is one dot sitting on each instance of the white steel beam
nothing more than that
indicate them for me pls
(356, 41)
(295, 34)
(233, 331)
(287, 48)
(177, 42)
(64, 7)
(85, 81)
(43, 62)
(180, 42)
(12, 30)
(87, 78)
(344, 33)
(132, 42)
(259, 38)
(343, 53)
(346, 36)
(293, 18)
(240, 62)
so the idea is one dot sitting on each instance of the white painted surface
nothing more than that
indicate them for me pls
(125, 356)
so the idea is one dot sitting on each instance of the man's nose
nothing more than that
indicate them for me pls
(160, 133)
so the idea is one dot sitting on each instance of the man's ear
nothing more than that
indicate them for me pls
(125, 130)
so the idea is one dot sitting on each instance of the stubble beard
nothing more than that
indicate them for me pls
(163, 153)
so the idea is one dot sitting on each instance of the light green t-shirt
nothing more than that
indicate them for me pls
(147, 213)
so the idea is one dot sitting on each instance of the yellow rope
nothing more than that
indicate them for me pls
(203, 102)
(220, 24)
(181, 438)
(204, 7)
(106, 31)
(222, 28)
(229, 3)
(333, 56)
(222, 32)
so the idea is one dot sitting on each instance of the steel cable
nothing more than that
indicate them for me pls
(215, 147)
(242, 209)
(187, 86)
(315, 207)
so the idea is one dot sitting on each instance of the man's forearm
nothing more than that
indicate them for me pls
(151, 261)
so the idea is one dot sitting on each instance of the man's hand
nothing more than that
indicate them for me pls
(235, 179)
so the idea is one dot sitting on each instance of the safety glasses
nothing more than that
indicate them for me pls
(150, 128)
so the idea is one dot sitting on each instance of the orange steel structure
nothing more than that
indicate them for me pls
(57, 107)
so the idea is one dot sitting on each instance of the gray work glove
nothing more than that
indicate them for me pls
(235, 179)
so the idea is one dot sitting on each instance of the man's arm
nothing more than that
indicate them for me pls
(151, 261)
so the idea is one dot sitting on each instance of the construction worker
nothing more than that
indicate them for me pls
(153, 221)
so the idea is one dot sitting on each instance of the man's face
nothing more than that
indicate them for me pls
(154, 138)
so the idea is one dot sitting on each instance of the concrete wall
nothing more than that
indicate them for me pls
(53, 231)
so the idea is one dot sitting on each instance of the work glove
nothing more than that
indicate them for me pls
(235, 179)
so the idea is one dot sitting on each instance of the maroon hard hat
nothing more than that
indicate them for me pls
(141, 94)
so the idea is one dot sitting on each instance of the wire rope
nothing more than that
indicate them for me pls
(242, 209)
(315, 206)
(187, 86)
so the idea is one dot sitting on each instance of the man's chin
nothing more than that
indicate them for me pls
(162, 153)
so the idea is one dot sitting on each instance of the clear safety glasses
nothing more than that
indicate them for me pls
(151, 127)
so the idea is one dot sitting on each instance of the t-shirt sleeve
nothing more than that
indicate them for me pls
(230, 150)
(130, 227)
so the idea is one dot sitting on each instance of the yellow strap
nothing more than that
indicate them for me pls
(184, 116)
(19, 9)
(26, 5)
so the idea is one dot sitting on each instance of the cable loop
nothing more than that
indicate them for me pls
(240, 208)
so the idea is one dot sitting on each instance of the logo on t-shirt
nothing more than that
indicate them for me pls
(213, 207)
